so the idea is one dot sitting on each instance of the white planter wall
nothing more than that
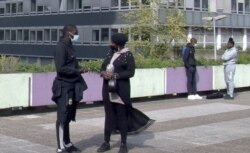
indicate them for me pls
(242, 76)
(14, 90)
(148, 82)
(218, 78)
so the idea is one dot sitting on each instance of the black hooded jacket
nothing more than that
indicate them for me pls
(190, 56)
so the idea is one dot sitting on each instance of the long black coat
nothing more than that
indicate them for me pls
(124, 66)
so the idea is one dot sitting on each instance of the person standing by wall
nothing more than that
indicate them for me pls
(68, 87)
(190, 67)
(229, 59)
(117, 69)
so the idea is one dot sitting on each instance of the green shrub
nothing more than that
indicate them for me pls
(30, 68)
(92, 65)
(8, 64)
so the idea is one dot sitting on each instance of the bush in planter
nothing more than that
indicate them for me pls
(35, 68)
(8, 64)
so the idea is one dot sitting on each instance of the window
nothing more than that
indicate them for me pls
(233, 6)
(105, 4)
(87, 35)
(114, 31)
(32, 36)
(124, 4)
(180, 4)
(54, 34)
(87, 5)
(1, 11)
(204, 5)
(95, 35)
(13, 35)
(7, 35)
(13, 8)
(47, 35)
(39, 35)
(26, 35)
(247, 6)
(19, 35)
(62, 5)
(78, 4)
(20, 7)
(70, 4)
(1, 34)
(114, 4)
(33, 5)
(197, 4)
(8, 8)
(134, 4)
(240, 8)
(105, 34)
(39, 8)
(145, 2)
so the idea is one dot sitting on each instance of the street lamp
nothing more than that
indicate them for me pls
(214, 18)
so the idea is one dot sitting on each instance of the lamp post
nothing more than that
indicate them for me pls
(214, 18)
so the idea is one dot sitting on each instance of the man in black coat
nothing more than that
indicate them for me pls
(68, 87)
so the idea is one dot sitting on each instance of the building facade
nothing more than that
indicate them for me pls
(30, 29)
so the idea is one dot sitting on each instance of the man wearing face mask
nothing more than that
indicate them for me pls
(190, 66)
(68, 87)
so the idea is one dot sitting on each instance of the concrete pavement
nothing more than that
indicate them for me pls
(182, 126)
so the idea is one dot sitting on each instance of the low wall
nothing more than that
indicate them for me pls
(35, 89)
(148, 82)
(177, 80)
(15, 90)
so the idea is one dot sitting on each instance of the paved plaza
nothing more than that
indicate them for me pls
(182, 126)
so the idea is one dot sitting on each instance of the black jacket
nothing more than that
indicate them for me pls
(68, 71)
(125, 68)
(190, 56)
(67, 67)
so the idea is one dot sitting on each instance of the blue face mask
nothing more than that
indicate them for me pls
(74, 38)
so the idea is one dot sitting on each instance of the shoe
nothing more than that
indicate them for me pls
(228, 97)
(73, 149)
(123, 148)
(104, 147)
(191, 97)
(62, 151)
(197, 96)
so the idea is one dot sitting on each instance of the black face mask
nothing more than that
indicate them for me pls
(113, 48)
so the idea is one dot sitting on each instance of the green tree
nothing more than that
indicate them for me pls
(154, 28)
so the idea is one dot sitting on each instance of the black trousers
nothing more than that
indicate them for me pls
(191, 80)
(116, 116)
(66, 110)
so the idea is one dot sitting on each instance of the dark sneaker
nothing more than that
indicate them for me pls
(123, 148)
(62, 151)
(227, 97)
(104, 147)
(73, 149)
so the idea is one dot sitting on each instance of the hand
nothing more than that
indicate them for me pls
(106, 75)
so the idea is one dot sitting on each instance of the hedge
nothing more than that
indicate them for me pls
(14, 65)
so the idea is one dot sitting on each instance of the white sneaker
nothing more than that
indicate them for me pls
(197, 96)
(191, 97)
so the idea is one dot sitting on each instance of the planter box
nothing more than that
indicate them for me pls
(42, 84)
(177, 80)
(241, 78)
(15, 90)
(148, 82)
